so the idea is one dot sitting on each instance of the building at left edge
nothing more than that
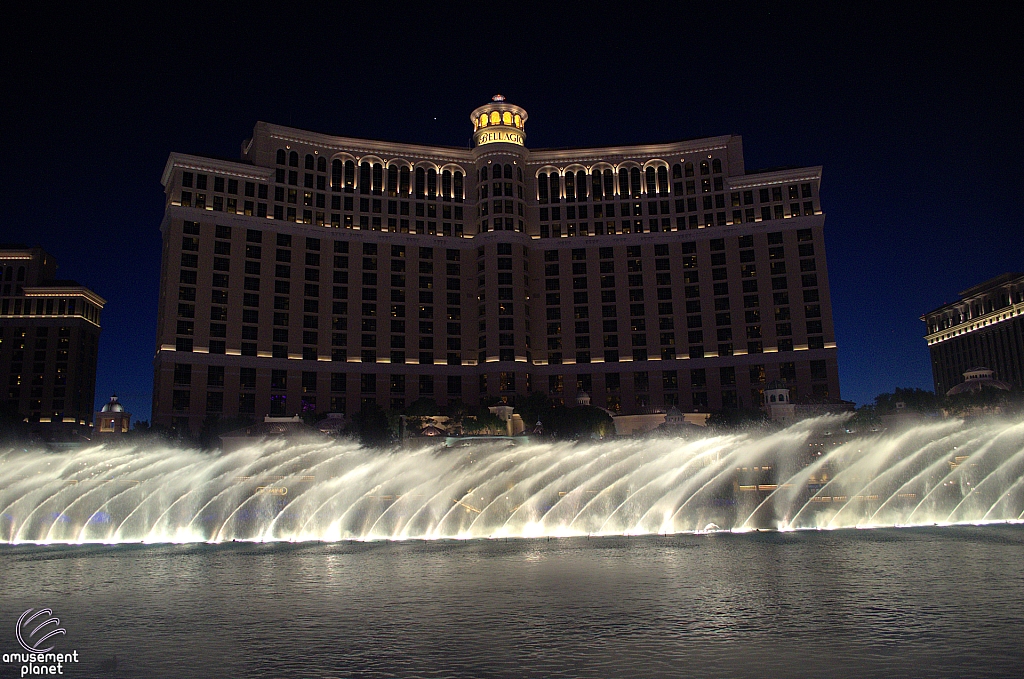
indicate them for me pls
(49, 338)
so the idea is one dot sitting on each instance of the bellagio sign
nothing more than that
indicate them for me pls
(489, 137)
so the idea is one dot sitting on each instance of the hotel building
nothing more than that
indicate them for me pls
(49, 337)
(319, 272)
(984, 328)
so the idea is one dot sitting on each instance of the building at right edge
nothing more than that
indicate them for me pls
(984, 328)
(319, 273)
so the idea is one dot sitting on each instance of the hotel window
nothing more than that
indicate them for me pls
(663, 181)
(182, 374)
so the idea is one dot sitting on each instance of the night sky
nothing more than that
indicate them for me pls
(914, 114)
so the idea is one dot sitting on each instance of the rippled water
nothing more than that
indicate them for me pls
(910, 602)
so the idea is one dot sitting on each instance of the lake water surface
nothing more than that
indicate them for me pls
(910, 602)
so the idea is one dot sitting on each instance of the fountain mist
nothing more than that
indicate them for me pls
(796, 478)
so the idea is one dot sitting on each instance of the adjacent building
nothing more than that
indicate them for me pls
(49, 337)
(320, 272)
(984, 329)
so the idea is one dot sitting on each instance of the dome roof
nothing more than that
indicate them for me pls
(114, 406)
(977, 379)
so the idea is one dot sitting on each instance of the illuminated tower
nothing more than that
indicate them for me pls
(499, 122)
(499, 155)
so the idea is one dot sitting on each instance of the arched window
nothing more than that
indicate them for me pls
(581, 185)
(595, 185)
(403, 181)
(483, 173)
(280, 157)
(663, 181)
(704, 167)
(495, 118)
(321, 164)
(446, 184)
(457, 186)
(483, 120)
(506, 118)
(336, 175)
(518, 120)
(350, 175)
(392, 181)
(634, 181)
(310, 163)
(652, 188)
(716, 165)
(508, 172)
(677, 171)
(519, 173)
(293, 159)
(609, 184)
(689, 169)
(570, 187)
(378, 179)
(364, 177)
(431, 183)
(542, 187)
(421, 182)
(556, 188)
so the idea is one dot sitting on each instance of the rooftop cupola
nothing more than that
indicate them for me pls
(499, 122)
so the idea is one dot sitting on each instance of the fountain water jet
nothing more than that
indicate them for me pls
(946, 471)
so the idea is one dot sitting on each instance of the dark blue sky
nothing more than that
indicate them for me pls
(914, 113)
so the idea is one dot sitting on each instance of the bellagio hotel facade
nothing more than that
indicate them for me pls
(318, 273)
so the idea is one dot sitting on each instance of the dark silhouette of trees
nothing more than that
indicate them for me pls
(371, 425)
(581, 421)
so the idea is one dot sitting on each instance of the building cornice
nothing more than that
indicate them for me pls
(532, 157)
(65, 291)
(226, 167)
(644, 151)
(367, 146)
(796, 174)
(979, 323)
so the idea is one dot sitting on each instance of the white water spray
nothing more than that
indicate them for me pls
(943, 472)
